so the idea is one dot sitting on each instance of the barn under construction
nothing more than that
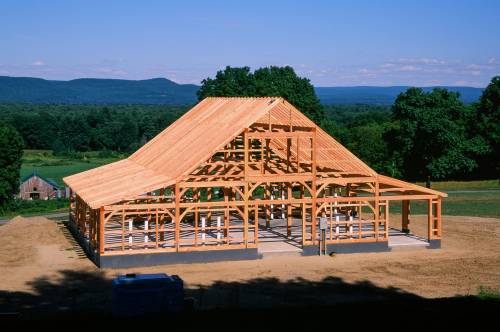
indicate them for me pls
(234, 178)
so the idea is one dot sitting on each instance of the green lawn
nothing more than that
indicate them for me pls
(57, 167)
(482, 200)
(479, 204)
(464, 185)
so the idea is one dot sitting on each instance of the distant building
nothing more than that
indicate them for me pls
(35, 186)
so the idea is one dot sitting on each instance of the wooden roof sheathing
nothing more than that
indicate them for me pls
(192, 139)
(176, 151)
(330, 153)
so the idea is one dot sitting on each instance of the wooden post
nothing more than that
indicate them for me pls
(298, 154)
(303, 223)
(209, 199)
(405, 217)
(177, 224)
(101, 230)
(227, 198)
(246, 188)
(162, 222)
(430, 220)
(196, 198)
(386, 228)
(288, 154)
(245, 216)
(289, 212)
(156, 227)
(313, 187)
(438, 217)
(123, 228)
(70, 202)
(377, 207)
(256, 230)
(268, 206)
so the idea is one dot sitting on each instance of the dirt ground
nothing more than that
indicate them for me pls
(37, 251)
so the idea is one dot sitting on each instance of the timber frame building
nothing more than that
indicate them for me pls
(206, 187)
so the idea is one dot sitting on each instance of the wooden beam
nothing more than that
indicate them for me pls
(101, 230)
(405, 216)
(177, 224)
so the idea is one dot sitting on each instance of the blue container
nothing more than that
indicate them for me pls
(147, 294)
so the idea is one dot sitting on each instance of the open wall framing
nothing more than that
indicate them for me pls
(208, 181)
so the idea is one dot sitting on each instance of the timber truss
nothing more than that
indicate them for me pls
(273, 169)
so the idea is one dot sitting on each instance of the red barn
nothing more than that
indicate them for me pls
(35, 186)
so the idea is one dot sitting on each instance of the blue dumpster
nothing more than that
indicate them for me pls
(147, 294)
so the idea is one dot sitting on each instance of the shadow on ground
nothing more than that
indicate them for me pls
(86, 297)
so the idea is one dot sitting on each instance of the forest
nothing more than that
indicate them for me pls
(423, 136)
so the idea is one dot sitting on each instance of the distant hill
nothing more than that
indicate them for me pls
(383, 95)
(164, 91)
(96, 91)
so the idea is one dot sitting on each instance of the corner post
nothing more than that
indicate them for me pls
(313, 187)
(405, 217)
(246, 189)
(377, 207)
(430, 220)
(177, 215)
(101, 230)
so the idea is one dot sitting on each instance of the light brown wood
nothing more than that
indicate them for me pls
(237, 146)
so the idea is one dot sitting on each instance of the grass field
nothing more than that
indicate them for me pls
(473, 203)
(464, 185)
(466, 198)
(57, 167)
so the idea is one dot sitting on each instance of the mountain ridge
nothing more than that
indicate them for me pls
(164, 91)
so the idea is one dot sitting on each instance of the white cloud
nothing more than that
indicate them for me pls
(424, 61)
(408, 68)
(38, 63)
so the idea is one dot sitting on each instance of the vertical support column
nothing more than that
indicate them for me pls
(70, 204)
(123, 228)
(289, 211)
(298, 155)
(246, 187)
(405, 217)
(262, 156)
(430, 220)
(377, 208)
(162, 222)
(101, 230)
(256, 225)
(177, 224)
(303, 223)
(438, 216)
(386, 224)
(156, 227)
(288, 154)
(209, 199)
(313, 187)
(245, 215)
(268, 154)
(196, 199)
(268, 206)
(227, 198)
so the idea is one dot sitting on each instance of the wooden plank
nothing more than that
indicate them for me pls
(177, 216)
(101, 230)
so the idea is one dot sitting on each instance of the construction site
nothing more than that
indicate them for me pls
(241, 178)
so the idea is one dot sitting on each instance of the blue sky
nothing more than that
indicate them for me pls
(333, 43)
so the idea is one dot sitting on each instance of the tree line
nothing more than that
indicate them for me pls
(76, 128)
(423, 136)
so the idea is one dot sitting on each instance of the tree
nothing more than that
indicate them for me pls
(11, 152)
(231, 82)
(430, 138)
(488, 127)
(265, 82)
